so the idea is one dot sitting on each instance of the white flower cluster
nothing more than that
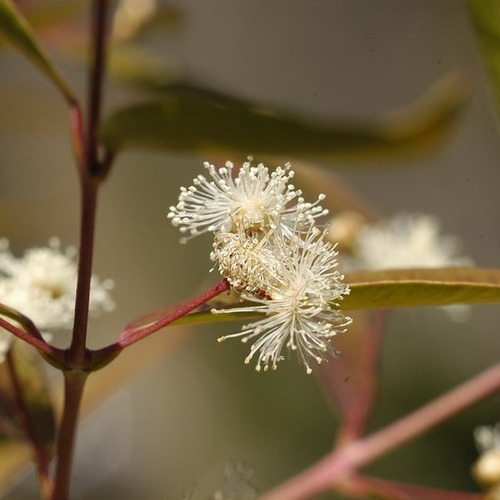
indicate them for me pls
(267, 246)
(409, 241)
(406, 241)
(42, 286)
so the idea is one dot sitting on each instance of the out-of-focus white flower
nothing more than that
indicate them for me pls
(42, 285)
(486, 470)
(299, 303)
(236, 485)
(252, 201)
(487, 437)
(407, 241)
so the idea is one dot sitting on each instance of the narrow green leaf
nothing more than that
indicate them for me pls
(422, 287)
(16, 29)
(485, 15)
(389, 289)
(198, 121)
(369, 290)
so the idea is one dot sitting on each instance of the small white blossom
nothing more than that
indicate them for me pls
(487, 437)
(254, 200)
(407, 241)
(42, 286)
(299, 303)
(486, 470)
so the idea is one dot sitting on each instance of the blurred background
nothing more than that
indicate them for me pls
(181, 405)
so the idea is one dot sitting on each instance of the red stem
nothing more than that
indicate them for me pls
(77, 349)
(89, 186)
(212, 292)
(363, 487)
(341, 462)
(103, 356)
(74, 383)
(74, 379)
(99, 16)
(35, 341)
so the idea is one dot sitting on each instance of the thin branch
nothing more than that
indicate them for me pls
(129, 339)
(364, 486)
(103, 356)
(89, 186)
(77, 350)
(341, 462)
(35, 341)
(98, 36)
(22, 320)
(74, 383)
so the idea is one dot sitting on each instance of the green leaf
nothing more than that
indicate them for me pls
(388, 289)
(485, 15)
(422, 287)
(369, 290)
(16, 29)
(199, 121)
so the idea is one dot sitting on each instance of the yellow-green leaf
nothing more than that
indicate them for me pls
(422, 287)
(198, 121)
(17, 30)
(389, 289)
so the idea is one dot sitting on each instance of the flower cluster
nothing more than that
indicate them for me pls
(42, 286)
(267, 246)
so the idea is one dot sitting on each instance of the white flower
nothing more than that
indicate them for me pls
(245, 262)
(486, 469)
(42, 286)
(487, 437)
(252, 201)
(407, 241)
(299, 302)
